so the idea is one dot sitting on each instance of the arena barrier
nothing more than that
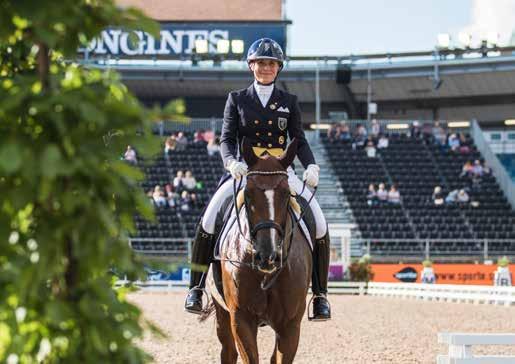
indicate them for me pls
(445, 292)
(460, 348)
(351, 288)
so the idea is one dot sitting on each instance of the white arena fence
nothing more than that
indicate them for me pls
(460, 348)
(429, 292)
(445, 292)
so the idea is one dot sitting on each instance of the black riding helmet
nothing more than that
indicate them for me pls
(266, 48)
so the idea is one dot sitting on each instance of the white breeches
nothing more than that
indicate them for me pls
(226, 190)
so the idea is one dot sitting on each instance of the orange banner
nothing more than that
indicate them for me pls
(445, 273)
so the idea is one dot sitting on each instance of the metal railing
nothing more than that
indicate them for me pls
(483, 249)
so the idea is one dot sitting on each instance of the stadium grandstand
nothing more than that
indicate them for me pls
(446, 116)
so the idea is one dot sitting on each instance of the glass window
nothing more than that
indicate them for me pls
(495, 136)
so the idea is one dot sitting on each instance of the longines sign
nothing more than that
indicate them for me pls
(177, 39)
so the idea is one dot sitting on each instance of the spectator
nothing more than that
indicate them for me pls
(170, 145)
(464, 144)
(439, 134)
(343, 133)
(415, 130)
(130, 155)
(213, 148)
(198, 137)
(394, 196)
(209, 135)
(370, 149)
(375, 129)
(159, 197)
(452, 197)
(195, 202)
(178, 183)
(360, 136)
(383, 142)
(487, 171)
(454, 143)
(371, 195)
(463, 197)
(189, 182)
(171, 196)
(332, 133)
(438, 196)
(427, 131)
(466, 170)
(477, 169)
(182, 141)
(185, 201)
(382, 194)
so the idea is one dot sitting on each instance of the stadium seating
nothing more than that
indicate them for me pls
(173, 223)
(416, 166)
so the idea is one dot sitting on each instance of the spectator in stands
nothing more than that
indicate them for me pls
(463, 197)
(487, 171)
(130, 155)
(439, 135)
(464, 144)
(466, 170)
(370, 149)
(438, 196)
(372, 196)
(343, 133)
(375, 130)
(189, 182)
(195, 201)
(360, 137)
(394, 196)
(209, 135)
(178, 183)
(170, 145)
(452, 197)
(171, 196)
(454, 142)
(182, 141)
(382, 194)
(198, 137)
(383, 142)
(185, 201)
(332, 133)
(477, 169)
(159, 197)
(415, 130)
(213, 148)
(427, 131)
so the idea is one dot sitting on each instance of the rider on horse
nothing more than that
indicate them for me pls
(267, 116)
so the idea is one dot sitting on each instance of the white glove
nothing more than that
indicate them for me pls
(237, 169)
(311, 175)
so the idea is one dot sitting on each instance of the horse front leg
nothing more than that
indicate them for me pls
(244, 329)
(229, 354)
(286, 343)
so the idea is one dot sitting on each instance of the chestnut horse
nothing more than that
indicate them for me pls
(265, 265)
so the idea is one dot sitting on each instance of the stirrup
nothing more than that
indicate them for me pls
(204, 306)
(311, 317)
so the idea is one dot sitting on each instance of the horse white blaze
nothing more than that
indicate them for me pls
(270, 199)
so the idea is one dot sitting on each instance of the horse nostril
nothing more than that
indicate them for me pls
(272, 258)
(257, 256)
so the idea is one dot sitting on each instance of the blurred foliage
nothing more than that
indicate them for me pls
(361, 270)
(67, 201)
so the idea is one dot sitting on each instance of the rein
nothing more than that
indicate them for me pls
(267, 224)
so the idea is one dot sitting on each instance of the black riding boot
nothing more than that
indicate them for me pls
(201, 257)
(321, 307)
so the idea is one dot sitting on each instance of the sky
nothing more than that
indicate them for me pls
(342, 27)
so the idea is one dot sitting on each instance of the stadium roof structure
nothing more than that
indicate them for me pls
(406, 81)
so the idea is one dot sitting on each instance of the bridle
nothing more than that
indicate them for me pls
(266, 224)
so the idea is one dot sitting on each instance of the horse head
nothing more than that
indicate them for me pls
(266, 196)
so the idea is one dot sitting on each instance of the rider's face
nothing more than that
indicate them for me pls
(265, 70)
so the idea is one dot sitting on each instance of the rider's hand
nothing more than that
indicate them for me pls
(237, 169)
(311, 175)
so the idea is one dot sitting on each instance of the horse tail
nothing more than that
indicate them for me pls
(207, 312)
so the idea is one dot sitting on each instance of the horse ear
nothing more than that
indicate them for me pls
(289, 155)
(248, 153)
